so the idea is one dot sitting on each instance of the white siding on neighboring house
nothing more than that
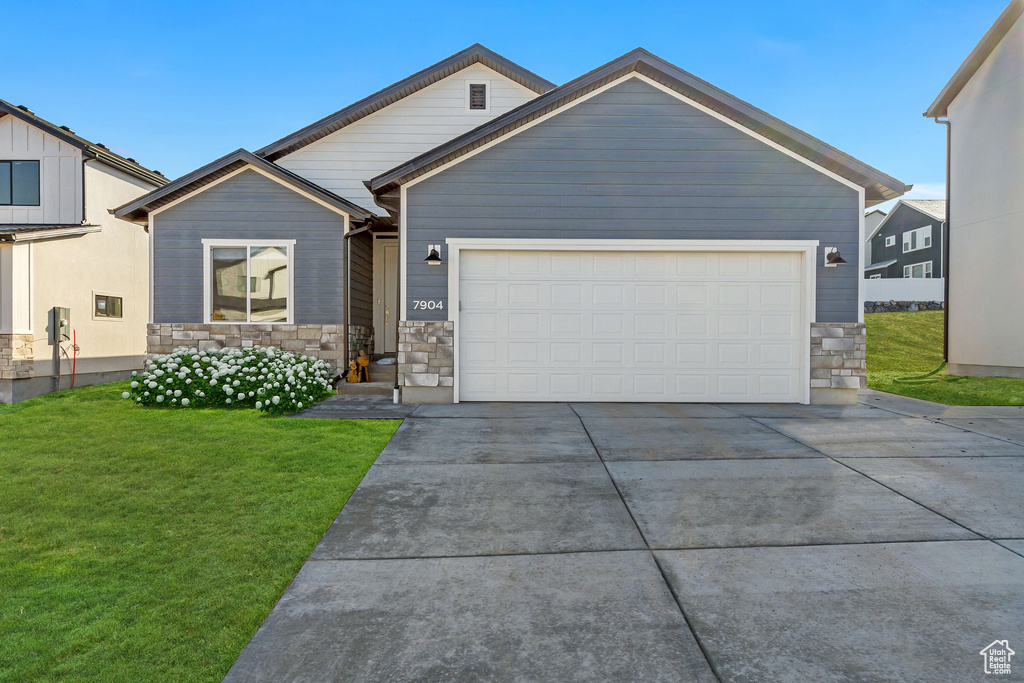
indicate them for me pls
(60, 171)
(415, 124)
(986, 311)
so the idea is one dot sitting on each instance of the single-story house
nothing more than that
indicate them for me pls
(636, 234)
(983, 106)
(909, 241)
(61, 250)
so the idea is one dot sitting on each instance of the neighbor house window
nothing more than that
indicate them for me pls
(916, 270)
(875, 277)
(249, 282)
(105, 306)
(890, 241)
(478, 97)
(19, 183)
(917, 239)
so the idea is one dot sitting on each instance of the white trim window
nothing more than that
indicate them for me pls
(917, 239)
(248, 281)
(478, 97)
(876, 276)
(918, 270)
(890, 241)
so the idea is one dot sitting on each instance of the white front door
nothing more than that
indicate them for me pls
(631, 326)
(385, 294)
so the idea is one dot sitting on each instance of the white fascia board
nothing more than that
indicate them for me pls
(627, 244)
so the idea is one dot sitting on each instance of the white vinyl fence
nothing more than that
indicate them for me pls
(905, 289)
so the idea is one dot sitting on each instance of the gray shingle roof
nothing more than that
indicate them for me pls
(138, 209)
(92, 150)
(878, 186)
(936, 208)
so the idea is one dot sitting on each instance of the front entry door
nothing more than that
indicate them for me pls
(385, 294)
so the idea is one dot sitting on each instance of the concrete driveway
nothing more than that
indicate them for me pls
(666, 542)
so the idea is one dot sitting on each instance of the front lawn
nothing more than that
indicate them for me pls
(902, 344)
(148, 544)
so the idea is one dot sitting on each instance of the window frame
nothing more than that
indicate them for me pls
(926, 270)
(876, 276)
(107, 295)
(890, 240)
(209, 244)
(487, 96)
(39, 180)
(908, 239)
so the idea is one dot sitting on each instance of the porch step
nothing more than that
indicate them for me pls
(366, 388)
(382, 373)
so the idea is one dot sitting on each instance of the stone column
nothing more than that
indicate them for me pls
(838, 362)
(426, 361)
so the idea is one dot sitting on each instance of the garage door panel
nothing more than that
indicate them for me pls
(646, 326)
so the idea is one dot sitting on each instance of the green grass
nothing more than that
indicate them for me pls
(147, 544)
(902, 344)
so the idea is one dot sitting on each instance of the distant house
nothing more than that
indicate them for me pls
(984, 105)
(871, 220)
(909, 241)
(61, 248)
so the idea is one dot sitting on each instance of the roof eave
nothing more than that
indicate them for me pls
(940, 106)
(878, 186)
(138, 210)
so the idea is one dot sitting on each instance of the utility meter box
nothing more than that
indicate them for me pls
(60, 325)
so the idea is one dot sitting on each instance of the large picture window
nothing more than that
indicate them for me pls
(19, 183)
(249, 282)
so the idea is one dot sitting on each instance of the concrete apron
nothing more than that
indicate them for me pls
(663, 542)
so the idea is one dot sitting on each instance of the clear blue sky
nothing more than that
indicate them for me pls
(178, 84)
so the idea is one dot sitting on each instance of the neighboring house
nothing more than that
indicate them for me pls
(871, 220)
(634, 235)
(909, 241)
(60, 247)
(984, 105)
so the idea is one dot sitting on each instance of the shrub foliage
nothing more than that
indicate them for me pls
(263, 378)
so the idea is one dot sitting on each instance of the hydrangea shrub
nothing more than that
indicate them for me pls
(261, 377)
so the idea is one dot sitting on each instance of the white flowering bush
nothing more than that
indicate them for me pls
(263, 378)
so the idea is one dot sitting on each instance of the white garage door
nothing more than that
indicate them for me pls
(633, 326)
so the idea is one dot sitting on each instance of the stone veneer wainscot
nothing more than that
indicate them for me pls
(838, 356)
(324, 342)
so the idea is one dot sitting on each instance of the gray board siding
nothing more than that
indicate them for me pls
(635, 162)
(248, 206)
(903, 220)
(361, 308)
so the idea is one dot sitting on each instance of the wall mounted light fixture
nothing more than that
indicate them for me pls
(433, 255)
(832, 257)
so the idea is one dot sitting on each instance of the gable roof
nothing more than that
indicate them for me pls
(974, 60)
(474, 54)
(878, 186)
(90, 150)
(137, 210)
(932, 208)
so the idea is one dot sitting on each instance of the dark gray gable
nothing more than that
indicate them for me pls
(248, 206)
(475, 54)
(878, 186)
(903, 218)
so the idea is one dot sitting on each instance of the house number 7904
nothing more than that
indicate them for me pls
(421, 304)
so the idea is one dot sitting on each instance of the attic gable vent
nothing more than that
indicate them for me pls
(478, 96)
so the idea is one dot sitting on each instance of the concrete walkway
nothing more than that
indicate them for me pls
(883, 541)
